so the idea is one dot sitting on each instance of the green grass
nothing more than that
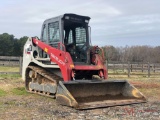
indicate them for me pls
(9, 76)
(9, 69)
(2, 93)
(19, 91)
(14, 91)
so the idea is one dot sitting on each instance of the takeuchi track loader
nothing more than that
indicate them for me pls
(62, 64)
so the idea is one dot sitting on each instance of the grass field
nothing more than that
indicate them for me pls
(150, 86)
(16, 103)
(12, 84)
(9, 69)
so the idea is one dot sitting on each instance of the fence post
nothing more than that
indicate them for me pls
(129, 69)
(123, 66)
(148, 69)
(114, 67)
(20, 65)
(142, 67)
(154, 68)
(9, 61)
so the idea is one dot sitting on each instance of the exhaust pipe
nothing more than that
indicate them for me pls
(93, 94)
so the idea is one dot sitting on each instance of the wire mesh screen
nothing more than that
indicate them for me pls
(80, 35)
(53, 31)
(70, 38)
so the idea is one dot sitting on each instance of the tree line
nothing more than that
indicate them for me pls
(133, 54)
(11, 46)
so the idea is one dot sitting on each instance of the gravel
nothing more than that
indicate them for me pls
(41, 108)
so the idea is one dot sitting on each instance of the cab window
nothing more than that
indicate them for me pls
(53, 31)
(44, 33)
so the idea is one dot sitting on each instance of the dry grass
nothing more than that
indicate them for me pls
(12, 87)
(135, 75)
(9, 69)
(16, 103)
(149, 86)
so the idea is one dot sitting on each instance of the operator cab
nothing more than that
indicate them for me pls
(76, 37)
(72, 31)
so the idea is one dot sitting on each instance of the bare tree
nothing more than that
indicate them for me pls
(133, 53)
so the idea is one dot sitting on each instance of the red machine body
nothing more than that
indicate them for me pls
(65, 62)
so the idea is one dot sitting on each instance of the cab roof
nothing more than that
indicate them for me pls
(69, 15)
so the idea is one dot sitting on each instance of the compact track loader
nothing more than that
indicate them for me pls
(62, 64)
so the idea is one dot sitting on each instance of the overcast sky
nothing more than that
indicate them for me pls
(113, 22)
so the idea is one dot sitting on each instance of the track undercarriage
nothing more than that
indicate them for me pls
(40, 81)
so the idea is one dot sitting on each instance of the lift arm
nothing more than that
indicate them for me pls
(58, 56)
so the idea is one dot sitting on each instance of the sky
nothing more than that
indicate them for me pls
(113, 22)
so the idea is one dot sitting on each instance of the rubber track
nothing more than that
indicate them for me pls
(46, 74)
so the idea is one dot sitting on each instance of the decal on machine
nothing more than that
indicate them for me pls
(28, 50)
(57, 59)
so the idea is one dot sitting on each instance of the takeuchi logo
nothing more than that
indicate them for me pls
(57, 59)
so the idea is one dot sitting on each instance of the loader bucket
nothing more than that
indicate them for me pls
(93, 94)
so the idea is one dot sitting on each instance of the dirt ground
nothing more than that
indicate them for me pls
(16, 104)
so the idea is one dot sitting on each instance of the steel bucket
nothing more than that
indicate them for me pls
(93, 94)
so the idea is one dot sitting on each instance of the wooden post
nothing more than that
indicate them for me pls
(9, 61)
(114, 67)
(129, 69)
(123, 66)
(154, 68)
(142, 67)
(148, 69)
(20, 65)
